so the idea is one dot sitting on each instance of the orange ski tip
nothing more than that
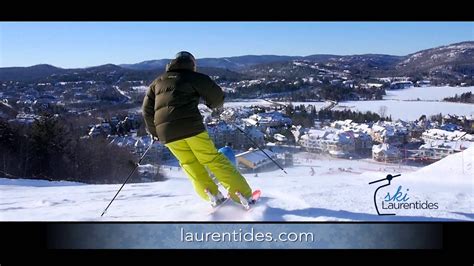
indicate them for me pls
(256, 194)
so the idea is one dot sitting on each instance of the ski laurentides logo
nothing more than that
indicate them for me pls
(389, 179)
(399, 199)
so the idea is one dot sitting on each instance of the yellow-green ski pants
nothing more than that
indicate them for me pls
(196, 152)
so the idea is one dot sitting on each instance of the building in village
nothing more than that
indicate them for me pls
(235, 114)
(436, 134)
(432, 152)
(342, 139)
(439, 143)
(221, 133)
(138, 145)
(254, 160)
(386, 153)
(269, 119)
(337, 143)
(398, 85)
(423, 83)
(393, 133)
(454, 122)
(24, 119)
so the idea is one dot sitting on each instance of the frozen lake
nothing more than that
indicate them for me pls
(401, 104)
(408, 110)
(426, 93)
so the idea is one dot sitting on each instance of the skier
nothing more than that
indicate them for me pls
(229, 153)
(170, 110)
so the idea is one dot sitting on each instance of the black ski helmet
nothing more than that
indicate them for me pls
(182, 60)
(183, 55)
(186, 56)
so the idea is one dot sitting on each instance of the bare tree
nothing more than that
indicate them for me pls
(383, 111)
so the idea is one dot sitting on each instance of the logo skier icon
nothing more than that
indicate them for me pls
(389, 179)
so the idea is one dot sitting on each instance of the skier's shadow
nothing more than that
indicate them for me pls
(278, 214)
(232, 211)
(468, 215)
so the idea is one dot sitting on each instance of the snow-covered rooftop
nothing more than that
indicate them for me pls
(440, 134)
(256, 156)
(385, 148)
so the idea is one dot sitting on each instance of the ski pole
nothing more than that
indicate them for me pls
(130, 175)
(254, 143)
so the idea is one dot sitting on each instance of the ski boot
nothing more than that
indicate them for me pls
(246, 202)
(215, 200)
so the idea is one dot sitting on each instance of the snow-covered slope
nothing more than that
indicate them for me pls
(444, 55)
(454, 169)
(339, 190)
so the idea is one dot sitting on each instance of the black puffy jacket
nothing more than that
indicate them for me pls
(170, 107)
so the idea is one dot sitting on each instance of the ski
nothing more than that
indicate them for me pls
(256, 195)
(217, 207)
(216, 202)
(247, 202)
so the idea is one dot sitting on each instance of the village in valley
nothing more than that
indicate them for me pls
(401, 142)
(281, 128)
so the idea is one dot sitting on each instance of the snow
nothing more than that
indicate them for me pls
(6, 104)
(243, 103)
(454, 145)
(140, 88)
(339, 191)
(408, 110)
(279, 137)
(377, 85)
(123, 93)
(384, 147)
(454, 169)
(436, 133)
(426, 93)
(398, 109)
(401, 104)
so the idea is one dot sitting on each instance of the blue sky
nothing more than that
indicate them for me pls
(74, 44)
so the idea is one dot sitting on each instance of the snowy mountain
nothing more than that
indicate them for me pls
(455, 61)
(451, 59)
(146, 65)
(28, 73)
(458, 52)
(451, 64)
(108, 73)
(233, 63)
(338, 190)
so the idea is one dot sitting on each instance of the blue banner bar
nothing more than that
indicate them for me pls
(244, 236)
